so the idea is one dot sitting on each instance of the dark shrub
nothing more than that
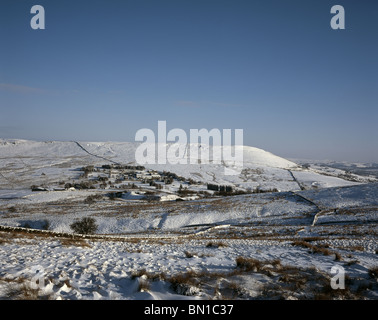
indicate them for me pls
(86, 225)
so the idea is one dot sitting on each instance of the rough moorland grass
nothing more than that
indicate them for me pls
(21, 289)
(316, 249)
(286, 282)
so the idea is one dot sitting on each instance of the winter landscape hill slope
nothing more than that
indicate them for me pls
(274, 229)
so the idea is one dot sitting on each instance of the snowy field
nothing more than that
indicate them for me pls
(252, 245)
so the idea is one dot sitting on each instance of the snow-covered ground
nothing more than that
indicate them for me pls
(249, 246)
(114, 269)
(181, 267)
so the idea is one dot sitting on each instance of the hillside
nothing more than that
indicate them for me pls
(274, 230)
(24, 163)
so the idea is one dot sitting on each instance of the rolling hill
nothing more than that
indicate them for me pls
(24, 163)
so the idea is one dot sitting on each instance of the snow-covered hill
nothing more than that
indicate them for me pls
(24, 163)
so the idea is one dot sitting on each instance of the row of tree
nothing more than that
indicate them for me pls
(219, 188)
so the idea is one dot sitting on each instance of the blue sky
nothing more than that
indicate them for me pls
(101, 70)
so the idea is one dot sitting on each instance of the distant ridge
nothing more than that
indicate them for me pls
(53, 159)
